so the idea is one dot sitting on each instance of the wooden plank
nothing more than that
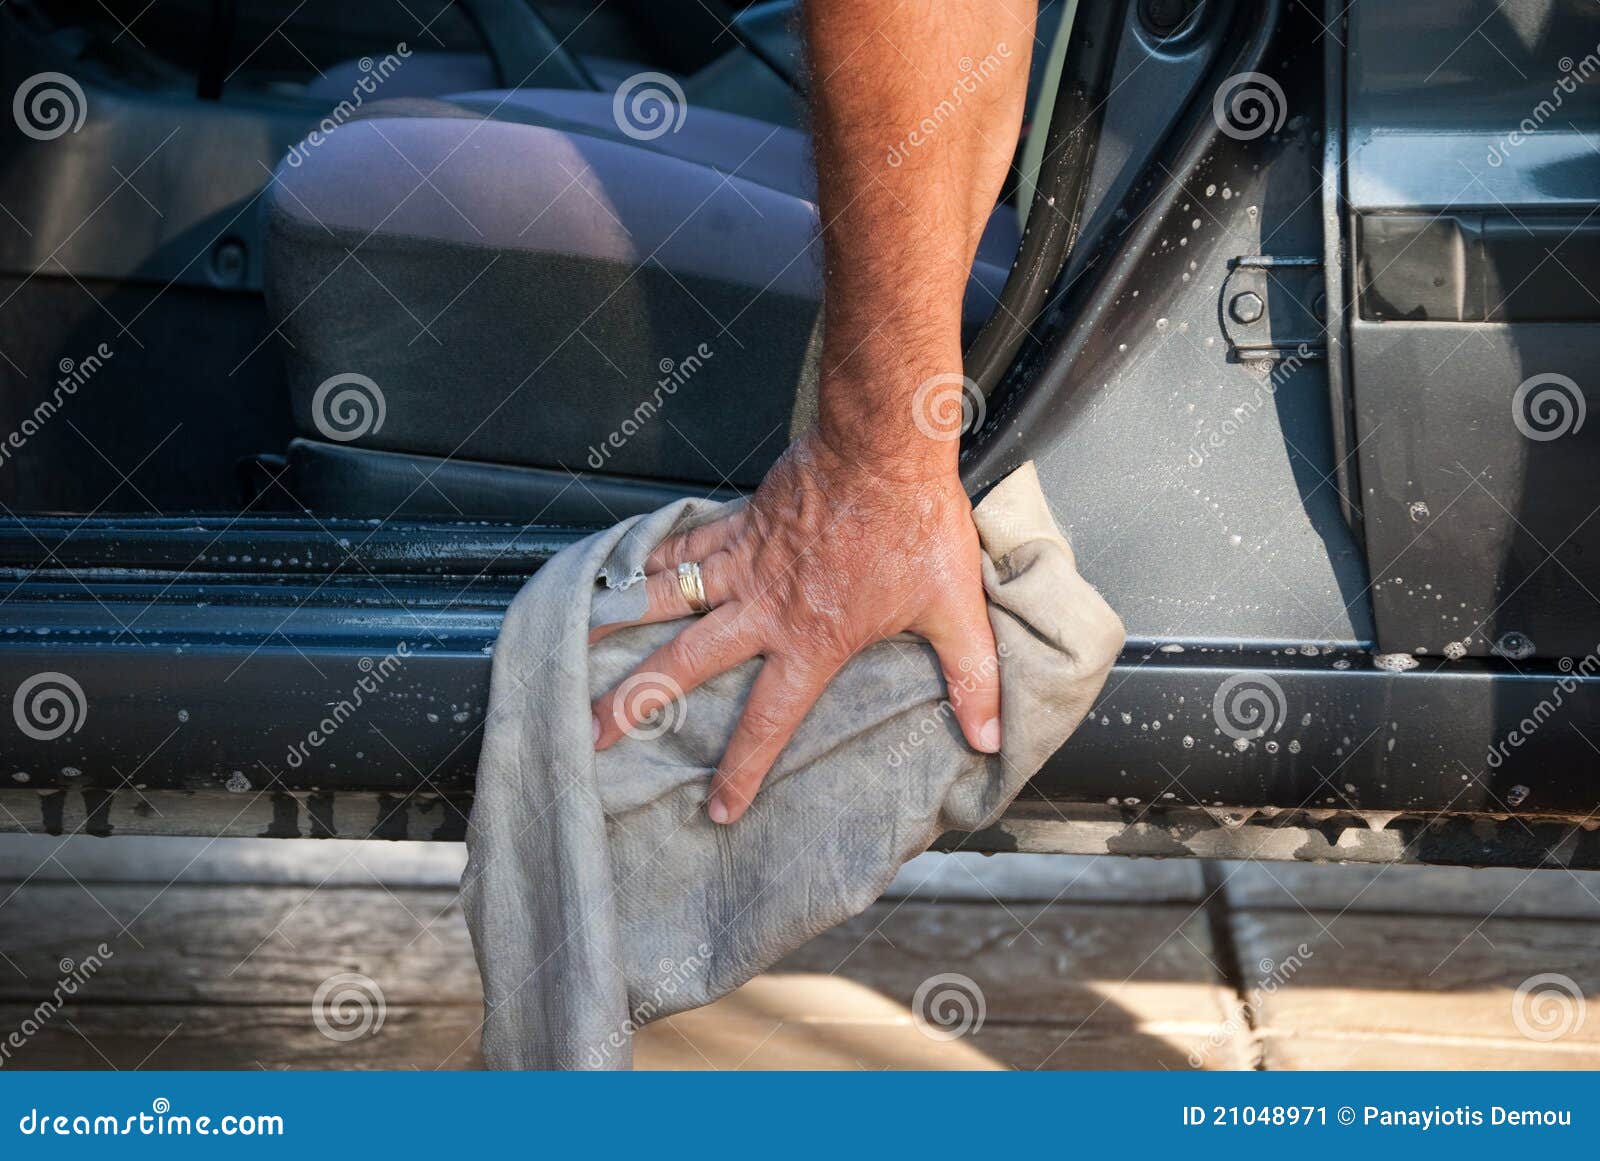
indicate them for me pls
(1441, 976)
(701, 1041)
(737, 1033)
(353, 862)
(99, 1036)
(1060, 964)
(226, 977)
(803, 1021)
(166, 859)
(1017, 878)
(1506, 892)
(1325, 1052)
(217, 944)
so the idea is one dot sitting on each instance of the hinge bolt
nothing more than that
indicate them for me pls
(1246, 307)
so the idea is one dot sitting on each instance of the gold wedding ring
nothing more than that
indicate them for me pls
(693, 587)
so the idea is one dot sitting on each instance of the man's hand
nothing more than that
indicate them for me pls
(828, 557)
(862, 530)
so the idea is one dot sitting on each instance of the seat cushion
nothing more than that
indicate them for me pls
(776, 157)
(424, 74)
(561, 297)
(521, 295)
(433, 74)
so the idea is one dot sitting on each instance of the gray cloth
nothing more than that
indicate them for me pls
(600, 896)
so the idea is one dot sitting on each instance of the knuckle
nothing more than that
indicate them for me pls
(720, 572)
(763, 719)
(659, 590)
(683, 655)
(667, 551)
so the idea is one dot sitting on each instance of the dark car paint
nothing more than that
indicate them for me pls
(208, 649)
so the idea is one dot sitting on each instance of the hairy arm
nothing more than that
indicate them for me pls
(916, 112)
(862, 529)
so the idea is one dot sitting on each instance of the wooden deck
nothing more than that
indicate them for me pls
(218, 950)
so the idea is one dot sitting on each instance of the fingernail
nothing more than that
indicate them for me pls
(596, 721)
(717, 810)
(989, 736)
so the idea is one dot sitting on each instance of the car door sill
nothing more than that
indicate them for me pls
(319, 677)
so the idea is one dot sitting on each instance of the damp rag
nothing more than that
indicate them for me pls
(600, 896)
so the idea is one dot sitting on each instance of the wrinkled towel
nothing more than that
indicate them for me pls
(600, 896)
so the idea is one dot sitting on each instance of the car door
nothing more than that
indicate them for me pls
(1225, 398)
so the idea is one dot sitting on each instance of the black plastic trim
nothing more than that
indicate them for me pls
(378, 684)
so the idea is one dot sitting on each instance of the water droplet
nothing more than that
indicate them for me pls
(1514, 646)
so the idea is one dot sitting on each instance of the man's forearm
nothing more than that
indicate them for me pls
(862, 529)
(916, 109)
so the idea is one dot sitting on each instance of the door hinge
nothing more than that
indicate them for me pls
(1274, 306)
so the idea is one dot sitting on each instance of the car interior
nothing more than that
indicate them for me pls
(303, 193)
